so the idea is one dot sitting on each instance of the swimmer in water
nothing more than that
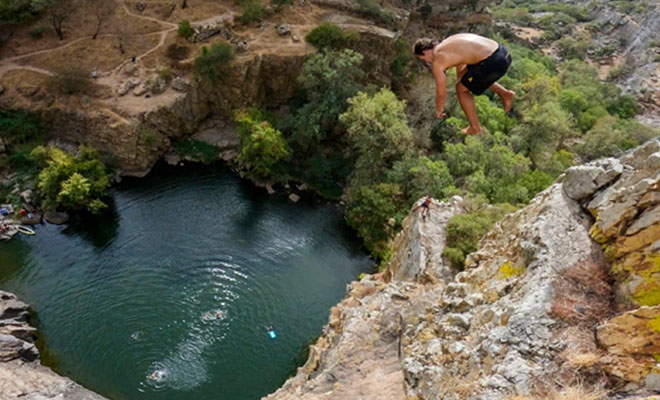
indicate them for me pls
(156, 375)
(135, 335)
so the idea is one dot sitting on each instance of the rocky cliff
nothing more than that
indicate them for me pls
(21, 374)
(561, 297)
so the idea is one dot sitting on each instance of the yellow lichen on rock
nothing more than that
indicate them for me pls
(507, 270)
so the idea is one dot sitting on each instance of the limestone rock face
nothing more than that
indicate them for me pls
(21, 375)
(541, 303)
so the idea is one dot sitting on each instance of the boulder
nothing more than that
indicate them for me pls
(282, 29)
(26, 196)
(56, 218)
(180, 84)
(140, 90)
(241, 45)
(584, 180)
(295, 38)
(294, 197)
(127, 85)
(141, 6)
(130, 69)
(31, 219)
(157, 84)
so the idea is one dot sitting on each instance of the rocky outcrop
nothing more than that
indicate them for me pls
(21, 374)
(541, 306)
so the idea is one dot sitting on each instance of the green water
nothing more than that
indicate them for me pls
(183, 276)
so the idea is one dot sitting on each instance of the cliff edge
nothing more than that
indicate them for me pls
(562, 296)
(21, 374)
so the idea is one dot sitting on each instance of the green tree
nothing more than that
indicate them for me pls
(573, 101)
(185, 30)
(421, 176)
(214, 63)
(590, 116)
(544, 127)
(328, 80)
(624, 106)
(261, 145)
(369, 211)
(378, 132)
(71, 182)
(329, 36)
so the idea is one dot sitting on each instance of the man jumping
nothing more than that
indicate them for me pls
(479, 63)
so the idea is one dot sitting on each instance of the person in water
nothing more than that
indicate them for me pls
(479, 63)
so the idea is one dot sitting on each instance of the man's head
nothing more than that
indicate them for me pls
(423, 49)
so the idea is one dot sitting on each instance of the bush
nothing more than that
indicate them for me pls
(421, 176)
(262, 147)
(165, 72)
(71, 182)
(198, 150)
(624, 106)
(21, 126)
(465, 230)
(185, 30)
(590, 116)
(328, 80)
(571, 48)
(369, 211)
(70, 81)
(573, 101)
(610, 136)
(329, 36)
(377, 132)
(214, 63)
(16, 11)
(251, 11)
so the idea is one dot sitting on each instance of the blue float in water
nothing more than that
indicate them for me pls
(272, 334)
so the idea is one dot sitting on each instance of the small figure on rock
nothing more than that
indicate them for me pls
(425, 206)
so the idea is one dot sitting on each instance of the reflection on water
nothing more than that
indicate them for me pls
(168, 294)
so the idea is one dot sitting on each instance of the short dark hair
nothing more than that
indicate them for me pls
(424, 44)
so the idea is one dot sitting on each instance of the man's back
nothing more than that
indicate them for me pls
(464, 48)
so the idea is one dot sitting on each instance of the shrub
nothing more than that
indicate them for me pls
(573, 101)
(610, 135)
(377, 132)
(421, 176)
(624, 106)
(70, 81)
(197, 150)
(261, 145)
(329, 36)
(571, 48)
(251, 11)
(328, 80)
(465, 230)
(21, 126)
(369, 211)
(71, 182)
(590, 116)
(185, 30)
(165, 72)
(214, 63)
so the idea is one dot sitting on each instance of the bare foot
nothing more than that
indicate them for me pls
(472, 130)
(507, 99)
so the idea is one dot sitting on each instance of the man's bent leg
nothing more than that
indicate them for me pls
(505, 95)
(466, 101)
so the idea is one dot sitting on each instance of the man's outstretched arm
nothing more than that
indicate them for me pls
(440, 87)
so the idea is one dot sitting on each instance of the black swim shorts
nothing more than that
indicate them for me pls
(480, 76)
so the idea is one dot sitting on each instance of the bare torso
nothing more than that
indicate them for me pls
(463, 48)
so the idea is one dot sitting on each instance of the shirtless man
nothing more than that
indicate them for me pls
(479, 63)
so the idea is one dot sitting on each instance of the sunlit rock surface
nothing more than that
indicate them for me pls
(21, 374)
